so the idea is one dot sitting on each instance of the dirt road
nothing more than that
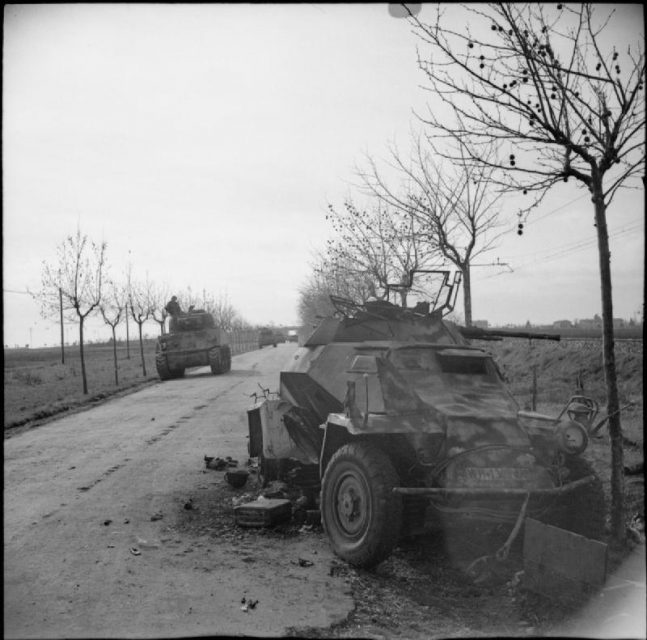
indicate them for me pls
(99, 540)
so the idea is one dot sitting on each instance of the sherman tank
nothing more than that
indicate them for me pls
(193, 340)
(394, 421)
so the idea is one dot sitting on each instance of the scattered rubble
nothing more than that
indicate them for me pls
(219, 464)
(237, 478)
(263, 512)
(248, 604)
(302, 562)
(276, 490)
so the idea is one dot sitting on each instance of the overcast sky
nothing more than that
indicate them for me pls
(203, 143)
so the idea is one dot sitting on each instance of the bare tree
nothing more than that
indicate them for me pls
(113, 310)
(75, 281)
(224, 313)
(454, 204)
(547, 81)
(380, 246)
(159, 297)
(140, 311)
(327, 278)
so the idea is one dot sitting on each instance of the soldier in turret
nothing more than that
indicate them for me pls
(174, 310)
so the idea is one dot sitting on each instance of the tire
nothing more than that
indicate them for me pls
(225, 352)
(583, 510)
(360, 513)
(215, 361)
(162, 367)
(220, 360)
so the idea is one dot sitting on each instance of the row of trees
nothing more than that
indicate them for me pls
(79, 285)
(523, 98)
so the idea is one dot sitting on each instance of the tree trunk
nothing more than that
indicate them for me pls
(127, 335)
(141, 348)
(83, 376)
(114, 355)
(611, 380)
(467, 293)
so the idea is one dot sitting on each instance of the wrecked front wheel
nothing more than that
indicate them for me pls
(360, 513)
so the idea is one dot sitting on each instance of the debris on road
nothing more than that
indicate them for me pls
(107, 522)
(157, 516)
(302, 562)
(237, 478)
(276, 490)
(245, 498)
(248, 604)
(188, 505)
(262, 513)
(217, 464)
(135, 551)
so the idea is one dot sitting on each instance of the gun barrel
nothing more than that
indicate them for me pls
(476, 333)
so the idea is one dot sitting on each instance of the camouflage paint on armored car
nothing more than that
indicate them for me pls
(403, 424)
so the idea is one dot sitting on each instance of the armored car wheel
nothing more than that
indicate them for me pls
(360, 513)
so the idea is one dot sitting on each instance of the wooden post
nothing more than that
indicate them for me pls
(534, 387)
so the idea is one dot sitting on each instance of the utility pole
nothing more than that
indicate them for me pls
(60, 302)
(130, 268)
(127, 335)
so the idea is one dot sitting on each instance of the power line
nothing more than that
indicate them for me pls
(574, 247)
(25, 293)
(550, 213)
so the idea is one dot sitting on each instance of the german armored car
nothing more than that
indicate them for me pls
(194, 340)
(395, 423)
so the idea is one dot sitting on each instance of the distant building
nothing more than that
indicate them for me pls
(562, 324)
(590, 323)
(596, 323)
(482, 324)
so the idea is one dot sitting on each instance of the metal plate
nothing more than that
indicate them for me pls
(561, 564)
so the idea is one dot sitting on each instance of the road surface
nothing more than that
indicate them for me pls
(99, 541)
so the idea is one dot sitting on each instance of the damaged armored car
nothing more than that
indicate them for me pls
(395, 423)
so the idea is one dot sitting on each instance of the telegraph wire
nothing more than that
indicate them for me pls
(558, 252)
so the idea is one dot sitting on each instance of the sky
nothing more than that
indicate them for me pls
(204, 142)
